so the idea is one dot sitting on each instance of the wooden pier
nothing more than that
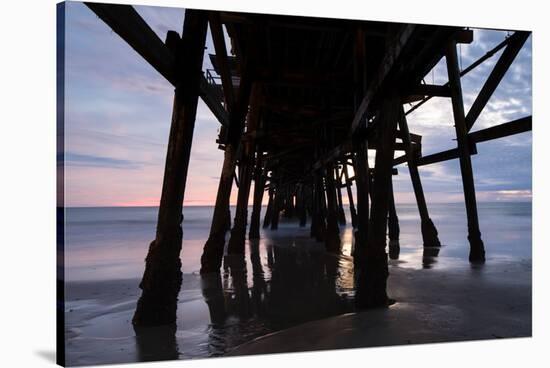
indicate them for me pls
(301, 102)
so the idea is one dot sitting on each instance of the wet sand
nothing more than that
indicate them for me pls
(466, 303)
(289, 295)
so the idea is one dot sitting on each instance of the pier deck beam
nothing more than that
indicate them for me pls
(161, 280)
(429, 231)
(477, 249)
(373, 265)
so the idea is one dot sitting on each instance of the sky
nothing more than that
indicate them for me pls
(118, 111)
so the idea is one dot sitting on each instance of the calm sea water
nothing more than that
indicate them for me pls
(111, 243)
(288, 279)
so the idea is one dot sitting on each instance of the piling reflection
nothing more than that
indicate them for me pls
(297, 285)
(211, 285)
(429, 257)
(156, 343)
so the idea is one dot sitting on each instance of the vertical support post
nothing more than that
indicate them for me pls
(341, 213)
(352, 210)
(332, 238)
(269, 209)
(161, 280)
(318, 225)
(237, 238)
(301, 204)
(212, 256)
(275, 212)
(429, 231)
(371, 281)
(288, 203)
(314, 227)
(360, 158)
(477, 249)
(393, 226)
(259, 182)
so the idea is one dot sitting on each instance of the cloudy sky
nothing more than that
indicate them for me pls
(118, 110)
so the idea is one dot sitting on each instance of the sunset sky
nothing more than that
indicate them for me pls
(118, 110)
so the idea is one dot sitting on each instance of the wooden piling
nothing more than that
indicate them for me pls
(301, 203)
(341, 213)
(269, 209)
(318, 225)
(373, 265)
(332, 237)
(161, 280)
(275, 212)
(477, 249)
(212, 256)
(352, 210)
(360, 155)
(237, 238)
(259, 183)
(428, 229)
(288, 204)
(393, 226)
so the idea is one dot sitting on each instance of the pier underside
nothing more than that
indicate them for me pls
(302, 102)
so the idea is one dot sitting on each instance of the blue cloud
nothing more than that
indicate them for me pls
(78, 159)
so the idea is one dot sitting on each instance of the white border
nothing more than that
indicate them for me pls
(27, 255)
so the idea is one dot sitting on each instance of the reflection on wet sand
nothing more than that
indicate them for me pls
(156, 343)
(429, 257)
(304, 285)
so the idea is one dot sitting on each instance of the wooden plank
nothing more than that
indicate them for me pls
(125, 21)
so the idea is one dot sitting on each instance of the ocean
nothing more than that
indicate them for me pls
(289, 279)
(106, 243)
